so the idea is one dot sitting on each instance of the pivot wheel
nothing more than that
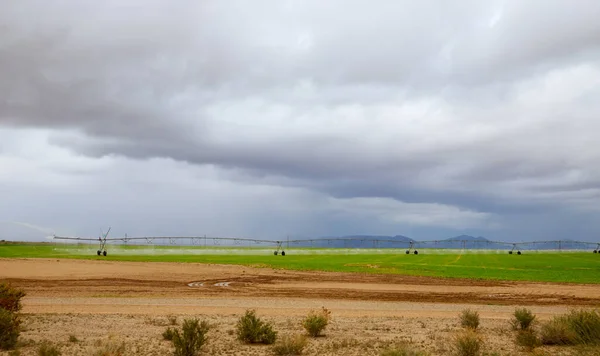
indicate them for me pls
(99, 252)
(416, 252)
(595, 251)
(510, 252)
(104, 253)
(518, 252)
(283, 253)
(407, 252)
(275, 253)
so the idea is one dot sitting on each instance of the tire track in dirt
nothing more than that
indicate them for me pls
(71, 278)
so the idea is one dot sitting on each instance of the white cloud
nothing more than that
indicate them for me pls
(397, 212)
(193, 114)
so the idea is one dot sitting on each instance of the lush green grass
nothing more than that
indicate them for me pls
(575, 267)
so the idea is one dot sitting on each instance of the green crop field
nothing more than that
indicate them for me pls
(573, 267)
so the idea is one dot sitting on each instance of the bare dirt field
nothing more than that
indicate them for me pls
(103, 302)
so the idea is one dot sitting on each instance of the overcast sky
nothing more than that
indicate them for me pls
(263, 119)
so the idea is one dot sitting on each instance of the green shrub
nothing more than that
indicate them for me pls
(10, 298)
(290, 345)
(316, 321)
(250, 329)
(577, 327)
(168, 334)
(47, 349)
(192, 338)
(9, 329)
(528, 339)
(469, 319)
(522, 319)
(468, 343)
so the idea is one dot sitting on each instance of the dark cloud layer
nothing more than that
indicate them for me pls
(486, 107)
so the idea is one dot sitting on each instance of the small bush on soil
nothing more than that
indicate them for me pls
(9, 329)
(290, 345)
(586, 324)
(73, 338)
(469, 319)
(523, 319)
(250, 329)
(111, 349)
(402, 350)
(47, 349)
(528, 339)
(557, 332)
(172, 319)
(468, 343)
(168, 334)
(192, 338)
(579, 327)
(344, 343)
(316, 321)
(10, 297)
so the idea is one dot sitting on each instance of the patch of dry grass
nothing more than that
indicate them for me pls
(290, 345)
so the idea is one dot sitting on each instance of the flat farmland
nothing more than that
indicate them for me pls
(378, 298)
(567, 267)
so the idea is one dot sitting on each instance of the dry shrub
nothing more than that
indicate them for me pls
(168, 334)
(468, 343)
(290, 345)
(192, 338)
(172, 319)
(10, 297)
(586, 324)
(10, 305)
(557, 332)
(402, 350)
(579, 327)
(47, 349)
(251, 330)
(9, 329)
(343, 343)
(111, 349)
(523, 319)
(469, 319)
(528, 339)
(316, 321)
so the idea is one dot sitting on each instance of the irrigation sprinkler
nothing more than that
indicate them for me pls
(411, 247)
(513, 249)
(279, 248)
(349, 242)
(102, 239)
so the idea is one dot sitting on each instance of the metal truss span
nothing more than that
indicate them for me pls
(343, 242)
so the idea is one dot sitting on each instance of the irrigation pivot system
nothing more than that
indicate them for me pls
(103, 239)
(411, 246)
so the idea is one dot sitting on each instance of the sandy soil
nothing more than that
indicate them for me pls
(101, 302)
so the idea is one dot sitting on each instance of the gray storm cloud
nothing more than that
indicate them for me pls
(358, 115)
